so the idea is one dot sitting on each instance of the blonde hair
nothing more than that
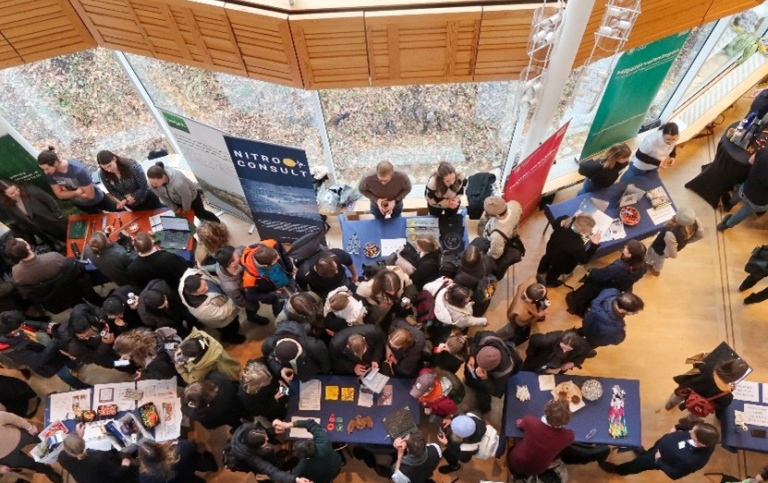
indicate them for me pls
(583, 223)
(427, 243)
(615, 153)
(339, 301)
(74, 446)
(140, 344)
(357, 344)
(213, 235)
(255, 376)
(401, 338)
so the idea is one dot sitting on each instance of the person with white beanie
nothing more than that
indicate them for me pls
(682, 229)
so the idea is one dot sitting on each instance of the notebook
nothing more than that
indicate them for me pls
(400, 423)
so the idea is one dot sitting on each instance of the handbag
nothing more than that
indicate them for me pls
(697, 404)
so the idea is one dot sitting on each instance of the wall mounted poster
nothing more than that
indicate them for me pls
(206, 153)
(526, 181)
(632, 88)
(278, 186)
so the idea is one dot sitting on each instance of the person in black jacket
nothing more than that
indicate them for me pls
(753, 192)
(120, 306)
(451, 351)
(34, 211)
(462, 434)
(603, 322)
(291, 349)
(492, 361)
(716, 380)
(260, 393)
(93, 466)
(160, 306)
(404, 351)
(250, 450)
(557, 351)
(428, 266)
(474, 265)
(326, 272)
(678, 453)
(356, 349)
(173, 462)
(146, 350)
(213, 402)
(621, 274)
(88, 338)
(153, 263)
(565, 248)
(602, 173)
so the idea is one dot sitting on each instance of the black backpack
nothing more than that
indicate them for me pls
(306, 247)
(758, 262)
(479, 187)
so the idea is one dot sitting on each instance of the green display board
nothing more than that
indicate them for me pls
(18, 165)
(632, 88)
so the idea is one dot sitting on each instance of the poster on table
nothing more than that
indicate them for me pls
(206, 153)
(278, 186)
(636, 80)
(526, 181)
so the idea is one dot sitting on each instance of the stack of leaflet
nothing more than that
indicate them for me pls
(419, 226)
(658, 197)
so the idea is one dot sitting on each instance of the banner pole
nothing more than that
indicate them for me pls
(576, 17)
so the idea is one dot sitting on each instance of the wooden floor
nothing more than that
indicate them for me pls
(690, 308)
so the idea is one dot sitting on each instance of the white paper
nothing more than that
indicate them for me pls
(310, 395)
(546, 382)
(61, 404)
(375, 381)
(391, 245)
(95, 438)
(614, 232)
(155, 388)
(662, 214)
(169, 410)
(747, 391)
(301, 433)
(364, 399)
(756, 415)
(765, 392)
(602, 221)
(114, 394)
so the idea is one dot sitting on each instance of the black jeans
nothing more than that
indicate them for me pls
(151, 202)
(106, 205)
(199, 209)
(231, 330)
(642, 463)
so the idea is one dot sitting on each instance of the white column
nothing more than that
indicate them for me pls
(577, 13)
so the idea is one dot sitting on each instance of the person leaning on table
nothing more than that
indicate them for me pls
(15, 434)
(386, 188)
(94, 466)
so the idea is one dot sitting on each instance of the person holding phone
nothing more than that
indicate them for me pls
(261, 393)
(566, 248)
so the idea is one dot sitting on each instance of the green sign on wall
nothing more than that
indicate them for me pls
(18, 165)
(632, 88)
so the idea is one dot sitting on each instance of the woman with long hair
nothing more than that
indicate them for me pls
(210, 236)
(109, 257)
(566, 248)
(35, 212)
(555, 352)
(444, 189)
(682, 229)
(602, 173)
(125, 180)
(173, 462)
(146, 349)
(657, 150)
(178, 192)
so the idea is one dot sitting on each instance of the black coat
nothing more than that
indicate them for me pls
(98, 467)
(704, 384)
(43, 217)
(257, 462)
(224, 410)
(343, 361)
(314, 359)
(172, 316)
(511, 362)
(565, 250)
(263, 402)
(427, 269)
(409, 360)
(544, 350)
(161, 264)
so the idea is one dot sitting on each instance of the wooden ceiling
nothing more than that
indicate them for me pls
(366, 44)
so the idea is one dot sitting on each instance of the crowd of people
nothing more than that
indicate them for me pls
(420, 315)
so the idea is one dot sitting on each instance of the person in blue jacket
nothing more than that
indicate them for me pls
(679, 453)
(604, 320)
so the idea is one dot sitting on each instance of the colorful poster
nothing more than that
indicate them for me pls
(278, 186)
(206, 153)
(632, 88)
(526, 181)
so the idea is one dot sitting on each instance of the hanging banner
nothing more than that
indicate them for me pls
(278, 186)
(18, 165)
(206, 153)
(526, 181)
(632, 88)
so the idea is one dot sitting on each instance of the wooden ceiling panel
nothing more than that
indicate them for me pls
(501, 51)
(8, 56)
(720, 9)
(114, 24)
(331, 49)
(423, 46)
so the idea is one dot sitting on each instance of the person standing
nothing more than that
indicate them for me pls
(679, 453)
(230, 273)
(602, 173)
(71, 181)
(499, 226)
(416, 460)
(318, 462)
(153, 263)
(386, 188)
(712, 380)
(656, 151)
(529, 305)
(93, 466)
(555, 352)
(207, 302)
(109, 257)
(753, 192)
(682, 229)
(462, 435)
(125, 180)
(178, 192)
(492, 361)
(444, 189)
(34, 211)
(604, 320)
(543, 439)
(565, 248)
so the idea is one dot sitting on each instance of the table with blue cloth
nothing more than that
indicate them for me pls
(612, 195)
(592, 416)
(347, 410)
(373, 231)
(734, 437)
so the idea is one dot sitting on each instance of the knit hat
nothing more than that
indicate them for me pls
(494, 205)
(463, 426)
(488, 358)
(423, 384)
(286, 350)
(685, 217)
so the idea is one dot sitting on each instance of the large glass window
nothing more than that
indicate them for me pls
(80, 103)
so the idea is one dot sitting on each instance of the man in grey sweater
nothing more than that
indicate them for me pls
(386, 188)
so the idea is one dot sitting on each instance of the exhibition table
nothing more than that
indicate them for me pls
(374, 231)
(734, 437)
(612, 195)
(593, 416)
(347, 410)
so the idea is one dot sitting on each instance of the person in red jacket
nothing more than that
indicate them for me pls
(543, 440)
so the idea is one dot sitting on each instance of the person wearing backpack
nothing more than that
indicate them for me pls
(529, 306)
(542, 440)
(438, 392)
(268, 274)
(291, 351)
(206, 301)
(499, 226)
(603, 322)
(461, 437)
(230, 274)
(492, 361)
(404, 350)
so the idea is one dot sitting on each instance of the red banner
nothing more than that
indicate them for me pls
(526, 181)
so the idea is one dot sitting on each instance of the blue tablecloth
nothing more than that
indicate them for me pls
(733, 440)
(348, 410)
(592, 416)
(612, 194)
(372, 231)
